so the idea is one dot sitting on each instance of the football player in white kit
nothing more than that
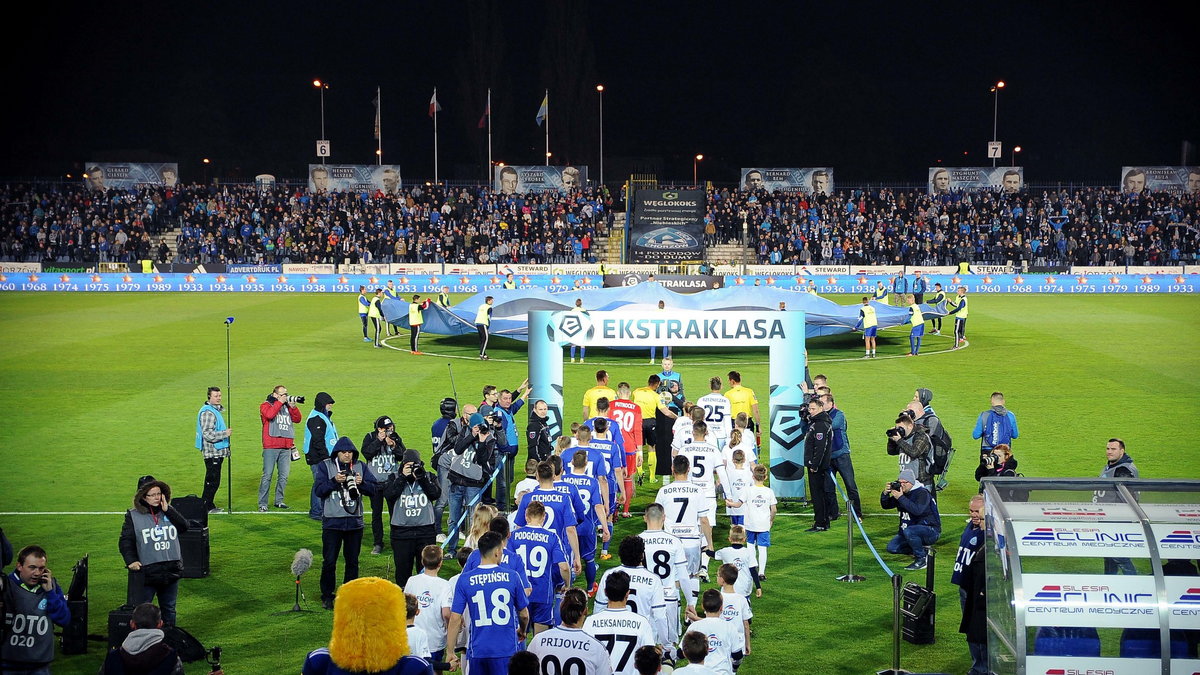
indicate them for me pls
(718, 414)
(708, 465)
(645, 589)
(617, 627)
(666, 560)
(687, 518)
(566, 648)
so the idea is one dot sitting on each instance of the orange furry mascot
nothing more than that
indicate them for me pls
(369, 634)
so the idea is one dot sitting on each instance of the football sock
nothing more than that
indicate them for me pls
(589, 569)
(762, 559)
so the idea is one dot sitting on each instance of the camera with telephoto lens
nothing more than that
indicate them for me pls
(293, 400)
(895, 485)
(350, 491)
(990, 460)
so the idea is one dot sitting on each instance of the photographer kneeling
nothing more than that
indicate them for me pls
(920, 524)
(342, 481)
(911, 442)
(412, 493)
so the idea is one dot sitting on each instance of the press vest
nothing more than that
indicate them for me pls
(383, 465)
(483, 316)
(28, 631)
(1102, 496)
(412, 508)
(331, 435)
(221, 444)
(465, 464)
(156, 541)
(280, 426)
(334, 508)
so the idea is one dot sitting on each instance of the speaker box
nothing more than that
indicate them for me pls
(118, 625)
(920, 611)
(192, 508)
(194, 547)
(74, 634)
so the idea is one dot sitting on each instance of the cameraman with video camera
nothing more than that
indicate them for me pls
(342, 480)
(910, 441)
(383, 450)
(412, 494)
(471, 462)
(279, 416)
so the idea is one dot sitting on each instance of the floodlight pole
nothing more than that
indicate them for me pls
(229, 464)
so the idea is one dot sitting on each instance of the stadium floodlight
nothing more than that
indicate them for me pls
(696, 161)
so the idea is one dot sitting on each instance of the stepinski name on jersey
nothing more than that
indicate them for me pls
(599, 621)
(491, 577)
(564, 643)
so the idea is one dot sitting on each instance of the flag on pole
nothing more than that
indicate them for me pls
(434, 106)
(544, 110)
(487, 111)
(376, 102)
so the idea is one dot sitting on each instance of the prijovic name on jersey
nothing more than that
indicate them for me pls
(569, 650)
(684, 503)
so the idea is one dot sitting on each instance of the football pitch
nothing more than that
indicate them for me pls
(99, 389)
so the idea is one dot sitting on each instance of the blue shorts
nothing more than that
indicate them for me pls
(542, 612)
(918, 330)
(758, 538)
(737, 520)
(870, 332)
(587, 545)
(488, 666)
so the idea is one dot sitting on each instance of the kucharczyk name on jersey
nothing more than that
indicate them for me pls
(665, 559)
(717, 414)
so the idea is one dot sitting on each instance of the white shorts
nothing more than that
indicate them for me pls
(711, 503)
(673, 621)
(691, 550)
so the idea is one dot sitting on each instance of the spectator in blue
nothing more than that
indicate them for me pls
(995, 425)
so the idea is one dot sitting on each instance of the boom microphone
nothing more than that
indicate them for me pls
(302, 561)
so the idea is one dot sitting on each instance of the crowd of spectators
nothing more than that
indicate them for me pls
(1089, 226)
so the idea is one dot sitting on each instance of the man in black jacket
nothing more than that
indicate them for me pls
(413, 524)
(383, 450)
(538, 432)
(471, 463)
(818, 446)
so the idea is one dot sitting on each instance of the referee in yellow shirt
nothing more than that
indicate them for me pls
(648, 400)
(601, 390)
(742, 399)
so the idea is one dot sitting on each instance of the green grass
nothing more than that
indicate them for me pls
(102, 388)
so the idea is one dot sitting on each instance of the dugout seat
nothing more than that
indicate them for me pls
(1066, 641)
(1143, 643)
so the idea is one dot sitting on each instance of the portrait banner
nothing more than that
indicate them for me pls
(521, 179)
(354, 178)
(1176, 180)
(944, 180)
(811, 180)
(129, 175)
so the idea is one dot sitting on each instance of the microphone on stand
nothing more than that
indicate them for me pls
(302, 561)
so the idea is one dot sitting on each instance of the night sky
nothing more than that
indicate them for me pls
(877, 91)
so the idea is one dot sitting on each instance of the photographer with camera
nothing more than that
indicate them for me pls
(342, 480)
(920, 523)
(31, 600)
(150, 546)
(446, 427)
(321, 435)
(411, 493)
(383, 450)
(279, 416)
(471, 460)
(910, 441)
(998, 462)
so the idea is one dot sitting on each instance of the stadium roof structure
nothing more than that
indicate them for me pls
(510, 308)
